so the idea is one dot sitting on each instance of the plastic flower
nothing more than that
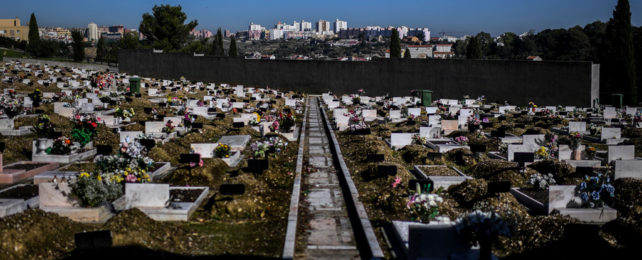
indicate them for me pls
(99, 178)
(84, 174)
(67, 141)
(396, 182)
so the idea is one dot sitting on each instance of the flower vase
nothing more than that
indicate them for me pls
(577, 155)
(41, 144)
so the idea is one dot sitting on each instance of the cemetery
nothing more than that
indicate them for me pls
(218, 169)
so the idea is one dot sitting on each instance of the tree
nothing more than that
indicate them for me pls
(395, 45)
(232, 51)
(473, 49)
(101, 51)
(165, 27)
(77, 46)
(406, 54)
(130, 41)
(217, 45)
(486, 44)
(622, 61)
(34, 36)
(637, 39)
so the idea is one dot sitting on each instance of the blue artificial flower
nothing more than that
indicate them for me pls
(610, 189)
(595, 179)
(584, 196)
(595, 195)
(583, 186)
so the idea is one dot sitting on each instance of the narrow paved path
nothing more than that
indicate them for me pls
(328, 233)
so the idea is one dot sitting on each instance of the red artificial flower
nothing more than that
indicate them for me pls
(93, 124)
(67, 141)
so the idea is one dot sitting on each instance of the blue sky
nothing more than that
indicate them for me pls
(452, 16)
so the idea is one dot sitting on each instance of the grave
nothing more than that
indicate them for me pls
(562, 198)
(400, 140)
(620, 152)
(236, 142)
(7, 128)
(628, 169)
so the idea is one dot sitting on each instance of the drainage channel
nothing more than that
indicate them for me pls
(331, 219)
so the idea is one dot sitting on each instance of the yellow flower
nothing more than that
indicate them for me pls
(84, 174)
(126, 173)
(100, 178)
(138, 179)
(143, 171)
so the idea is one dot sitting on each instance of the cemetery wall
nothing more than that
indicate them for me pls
(545, 83)
(89, 66)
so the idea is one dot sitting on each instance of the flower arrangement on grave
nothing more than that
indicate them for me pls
(85, 128)
(129, 165)
(259, 149)
(593, 190)
(36, 97)
(255, 120)
(44, 128)
(10, 106)
(575, 139)
(222, 150)
(541, 181)
(175, 101)
(590, 152)
(286, 122)
(482, 228)
(532, 105)
(62, 145)
(419, 139)
(169, 127)
(93, 189)
(595, 130)
(462, 139)
(188, 120)
(124, 113)
(274, 126)
(424, 207)
(542, 153)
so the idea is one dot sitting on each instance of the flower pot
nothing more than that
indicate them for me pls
(41, 144)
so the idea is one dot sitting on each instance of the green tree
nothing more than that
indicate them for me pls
(233, 51)
(166, 27)
(34, 36)
(622, 59)
(406, 54)
(637, 39)
(130, 41)
(486, 44)
(77, 45)
(395, 44)
(473, 49)
(101, 51)
(217, 45)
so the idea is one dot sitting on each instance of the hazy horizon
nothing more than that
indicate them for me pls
(493, 16)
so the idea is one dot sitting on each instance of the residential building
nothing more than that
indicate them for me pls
(420, 51)
(418, 32)
(340, 25)
(117, 29)
(255, 32)
(306, 26)
(201, 34)
(11, 28)
(323, 27)
(276, 34)
(443, 51)
(92, 32)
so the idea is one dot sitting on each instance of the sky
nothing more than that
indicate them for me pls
(454, 17)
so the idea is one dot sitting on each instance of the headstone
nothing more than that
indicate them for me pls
(560, 196)
(609, 113)
(577, 126)
(146, 195)
(6, 123)
(236, 142)
(611, 133)
(449, 126)
(129, 136)
(206, 150)
(621, 152)
(400, 140)
(628, 169)
(154, 127)
(430, 132)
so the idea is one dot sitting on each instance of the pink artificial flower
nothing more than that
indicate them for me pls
(397, 182)
(192, 164)
(200, 163)
(77, 117)
(130, 178)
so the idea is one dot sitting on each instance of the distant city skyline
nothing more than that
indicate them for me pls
(456, 17)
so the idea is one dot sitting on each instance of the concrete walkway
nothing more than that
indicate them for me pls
(329, 233)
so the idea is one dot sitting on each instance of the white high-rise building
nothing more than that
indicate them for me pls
(340, 25)
(297, 26)
(306, 26)
(323, 27)
(92, 32)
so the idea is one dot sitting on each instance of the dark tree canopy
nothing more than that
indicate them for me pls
(166, 27)
(622, 58)
(473, 49)
(34, 45)
(406, 54)
(395, 44)
(101, 50)
(77, 45)
(217, 45)
(233, 51)
(130, 41)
